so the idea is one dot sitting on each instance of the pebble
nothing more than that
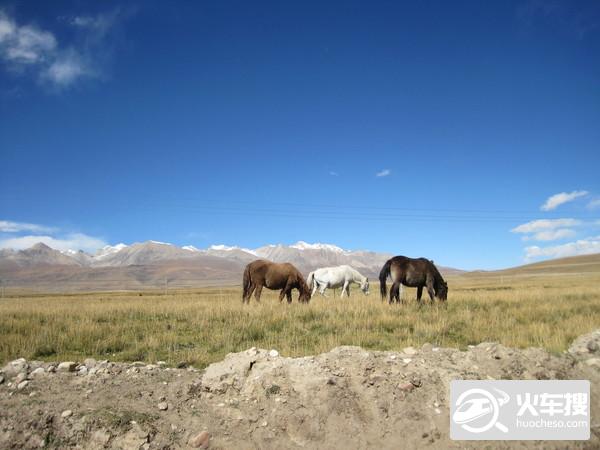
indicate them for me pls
(406, 360)
(407, 387)
(37, 372)
(83, 370)
(1, 379)
(438, 411)
(200, 440)
(592, 346)
(89, 363)
(101, 437)
(15, 367)
(67, 366)
(273, 353)
(593, 362)
(409, 351)
(163, 406)
(66, 413)
(22, 385)
(20, 378)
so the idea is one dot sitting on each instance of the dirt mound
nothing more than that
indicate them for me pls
(346, 398)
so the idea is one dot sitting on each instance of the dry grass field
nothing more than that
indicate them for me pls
(201, 326)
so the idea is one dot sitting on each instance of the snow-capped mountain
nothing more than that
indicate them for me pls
(38, 255)
(108, 250)
(150, 263)
(305, 255)
(301, 245)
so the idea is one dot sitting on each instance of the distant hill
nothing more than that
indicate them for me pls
(572, 264)
(154, 264)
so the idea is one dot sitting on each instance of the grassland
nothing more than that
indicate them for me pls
(201, 326)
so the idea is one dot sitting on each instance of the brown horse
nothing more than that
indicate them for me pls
(284, 276)
(419, 273)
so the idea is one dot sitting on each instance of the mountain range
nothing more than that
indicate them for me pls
(154, 263)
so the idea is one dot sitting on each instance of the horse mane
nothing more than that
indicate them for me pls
(436, 273)
(302, 283)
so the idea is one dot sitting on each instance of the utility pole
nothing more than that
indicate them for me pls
(166, 285)
(2, 284)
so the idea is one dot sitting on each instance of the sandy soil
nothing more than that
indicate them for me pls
(346, 398)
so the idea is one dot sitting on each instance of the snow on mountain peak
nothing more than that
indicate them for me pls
(301, 245)
(159, 242)
(227, 248)
(222, 247)
(109, 250)
(190, 248)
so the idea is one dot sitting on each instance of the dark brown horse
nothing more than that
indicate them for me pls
(284, 276)
(419, 273)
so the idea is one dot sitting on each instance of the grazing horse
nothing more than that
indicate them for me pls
(284, 276)
(419, 273)
(334, 277)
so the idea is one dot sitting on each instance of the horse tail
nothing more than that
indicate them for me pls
(385, 272)
(247, 282)
(310, 280)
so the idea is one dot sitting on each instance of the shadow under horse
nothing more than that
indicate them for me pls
(412, 272)
(284, 276)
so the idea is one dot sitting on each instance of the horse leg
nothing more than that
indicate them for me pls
(430, 290)
(281, 295)
(419, 294)
(323, 288)
(345, 289)
(246, 299)
(315, 287)
(288, 295)
(393, 292)
(257, 292)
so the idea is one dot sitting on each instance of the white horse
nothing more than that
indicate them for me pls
(334, 277)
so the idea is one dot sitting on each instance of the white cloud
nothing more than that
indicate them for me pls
(594, 204)
(564, 197)
(536, 226)
(29, 49)
(66, 69)
(551, 235)
(7, 226)
(24, 45)
(383, 173)
(74, 241)
(99, 24)
(581, 247)
(334, 174)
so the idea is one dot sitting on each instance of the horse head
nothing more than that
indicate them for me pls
(364, 286)
(304, 296)
(305, 292)
(442, 291)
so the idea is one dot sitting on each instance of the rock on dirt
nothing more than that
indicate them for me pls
(347, 398)
(67, 366)
(200, 440)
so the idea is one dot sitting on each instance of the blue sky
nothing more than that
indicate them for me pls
(248, 123)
